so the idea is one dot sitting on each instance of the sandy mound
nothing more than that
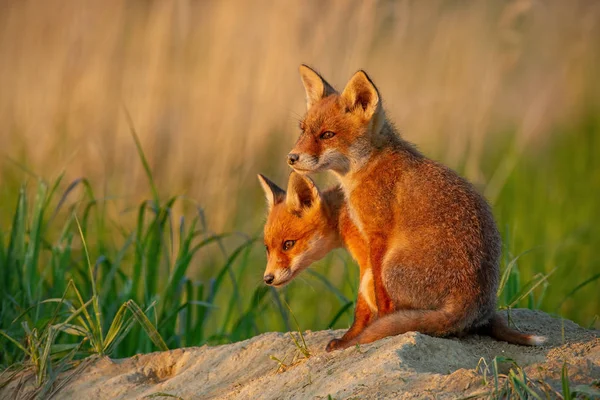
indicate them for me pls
(406, 366)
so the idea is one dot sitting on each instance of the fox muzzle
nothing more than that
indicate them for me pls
(292, 158)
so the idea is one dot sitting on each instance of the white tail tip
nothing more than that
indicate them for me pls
(538, 340)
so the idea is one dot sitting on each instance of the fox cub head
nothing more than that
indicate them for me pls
(298, 231)
(339, 131)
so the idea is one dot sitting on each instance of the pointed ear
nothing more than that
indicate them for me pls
(301, 192)
(361, 94)
(316, 87)
(274, 193)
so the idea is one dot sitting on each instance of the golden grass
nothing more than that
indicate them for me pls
(214, 92)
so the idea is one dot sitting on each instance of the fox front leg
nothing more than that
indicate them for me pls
(363, 316)
(382, 299)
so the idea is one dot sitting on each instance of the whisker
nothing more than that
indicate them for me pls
(296, 115)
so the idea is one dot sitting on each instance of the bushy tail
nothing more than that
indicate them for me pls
(431, 322)
(438, 323)
(499, 330)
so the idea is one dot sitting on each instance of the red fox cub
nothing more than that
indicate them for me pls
(433, 245)
(304, 224)
(302, 227)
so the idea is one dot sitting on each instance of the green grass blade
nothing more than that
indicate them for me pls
(87, 320)
(591, 279)
(4, 272)
(190, 312)
(516, 387)
(496, 378)
(302, 347)
(141, 317)
(536, 281)
(76, 313)
(339, 314)
(53, 189)
(246, 325)
(34, 244)
(116, 325)
(330, 287)
(525, 392)
(97, 324)
(74, 330)
(154, 246)
(284, 315)
(140, 151)
(182, 263)
(45, 364)
(223, 272)
(108, 284)
(87, 256)
(16, 246)
(198, 330)
(13, 341)
(63, 197)
(138, 263)
(508, 270)
(235, 299)
(564, 379)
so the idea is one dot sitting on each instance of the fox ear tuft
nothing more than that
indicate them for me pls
(361, 94)
(316, 87)
(302, 192)
(274, 193)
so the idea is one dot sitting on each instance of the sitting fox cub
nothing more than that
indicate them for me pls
(304, 224)
(433, 246)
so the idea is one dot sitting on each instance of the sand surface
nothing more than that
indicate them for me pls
(408, 366)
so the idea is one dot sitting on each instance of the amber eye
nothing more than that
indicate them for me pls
(327, 135)
(288, 244)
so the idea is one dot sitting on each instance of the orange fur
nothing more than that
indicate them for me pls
(317, 223)
(433, 245)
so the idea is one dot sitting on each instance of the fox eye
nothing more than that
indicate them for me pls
(288, 244)
(327, 135)
(267, 249)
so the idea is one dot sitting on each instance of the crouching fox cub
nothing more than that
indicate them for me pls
(304, 224)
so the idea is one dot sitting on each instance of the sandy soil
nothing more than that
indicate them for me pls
(409, 366)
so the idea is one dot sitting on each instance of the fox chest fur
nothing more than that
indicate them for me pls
(431, 240)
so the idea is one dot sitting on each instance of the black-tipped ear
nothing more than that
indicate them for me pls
(316, 87)
(274, 193)
(301, 192)
(361, 94)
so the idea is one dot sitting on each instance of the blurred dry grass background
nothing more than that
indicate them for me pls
(502, 91)
(213, 88)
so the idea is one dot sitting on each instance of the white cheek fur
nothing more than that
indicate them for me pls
(312, 254)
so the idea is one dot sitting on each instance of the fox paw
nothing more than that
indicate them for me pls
(335, 344)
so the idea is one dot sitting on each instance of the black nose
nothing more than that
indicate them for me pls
(292, 158)
(269, 279)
